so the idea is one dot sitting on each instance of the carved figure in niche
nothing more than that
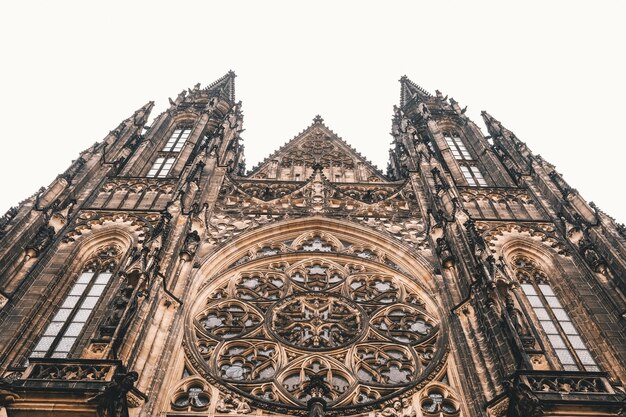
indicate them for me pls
(444, 252)
(593, 259)
(41, 240)
(519, 322)
(119, 305)
(192, 241)
(526, 401)
(232, 405)
(113, 400)
(394, 411)
(398, 409)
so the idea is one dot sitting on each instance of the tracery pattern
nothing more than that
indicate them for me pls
(269, 326)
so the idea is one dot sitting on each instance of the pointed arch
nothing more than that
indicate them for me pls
(534, 269)
(397, 255)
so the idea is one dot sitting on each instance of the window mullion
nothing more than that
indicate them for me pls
(559, 327)
(175, 145)
(70, 317)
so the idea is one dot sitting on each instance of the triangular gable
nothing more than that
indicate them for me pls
(317, 146)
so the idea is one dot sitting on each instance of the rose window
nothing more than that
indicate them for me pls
(317, 322)
(268, 327)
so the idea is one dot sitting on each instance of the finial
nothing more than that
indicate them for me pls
(318, 120)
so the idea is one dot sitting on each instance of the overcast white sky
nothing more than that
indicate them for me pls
(553, 72)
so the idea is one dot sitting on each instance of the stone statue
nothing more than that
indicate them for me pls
(41, 240)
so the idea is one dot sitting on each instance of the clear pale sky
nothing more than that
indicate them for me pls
(553, 72)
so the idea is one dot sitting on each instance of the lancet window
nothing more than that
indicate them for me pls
(177, 140)
(469, 168)
(66, 326)
(167, 156)
(473, 176)
(457, 146)
(161, 167)
(554, 320)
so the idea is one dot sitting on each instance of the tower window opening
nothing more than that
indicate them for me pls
(556, 323)
(473, 176)
(161, 167)
(62, 332)
(457, 147)
(177, 140)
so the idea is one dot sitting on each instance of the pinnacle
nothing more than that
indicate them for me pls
(490, 121)
(409, 91)
(140, 117)
(494, 127)
(224, 85)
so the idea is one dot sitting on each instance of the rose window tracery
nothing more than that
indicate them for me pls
(317, 322)
(269, 327)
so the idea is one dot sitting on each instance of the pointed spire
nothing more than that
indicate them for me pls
(140, 117)
(494, 127)
(409, 90)
(224, 86)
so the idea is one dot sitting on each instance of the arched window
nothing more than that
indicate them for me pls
(555, 322)
(67, 324)
(457, 146)
(177, 140)
(167, 156)
(467, 164)
(472, 175)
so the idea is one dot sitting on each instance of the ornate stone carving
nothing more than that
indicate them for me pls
(500, 203)
(40, 242)
(438, 400)
(391, 209)
(192, 396)
(143, 225)
(566, 384)
(492, 233)
(70, 372)
(231, 404)
(365, 331)
(190, 246)
(398, 409)
(316, 322)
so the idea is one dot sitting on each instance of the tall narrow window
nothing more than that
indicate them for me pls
(457, 146)
(473, 176)
(61, 334)
(176, 142)
(161, 167)
(554, 320)
(167, 156)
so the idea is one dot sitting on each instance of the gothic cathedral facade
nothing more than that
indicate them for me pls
(157, 277)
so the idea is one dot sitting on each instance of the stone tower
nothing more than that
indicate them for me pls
(156, 277)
